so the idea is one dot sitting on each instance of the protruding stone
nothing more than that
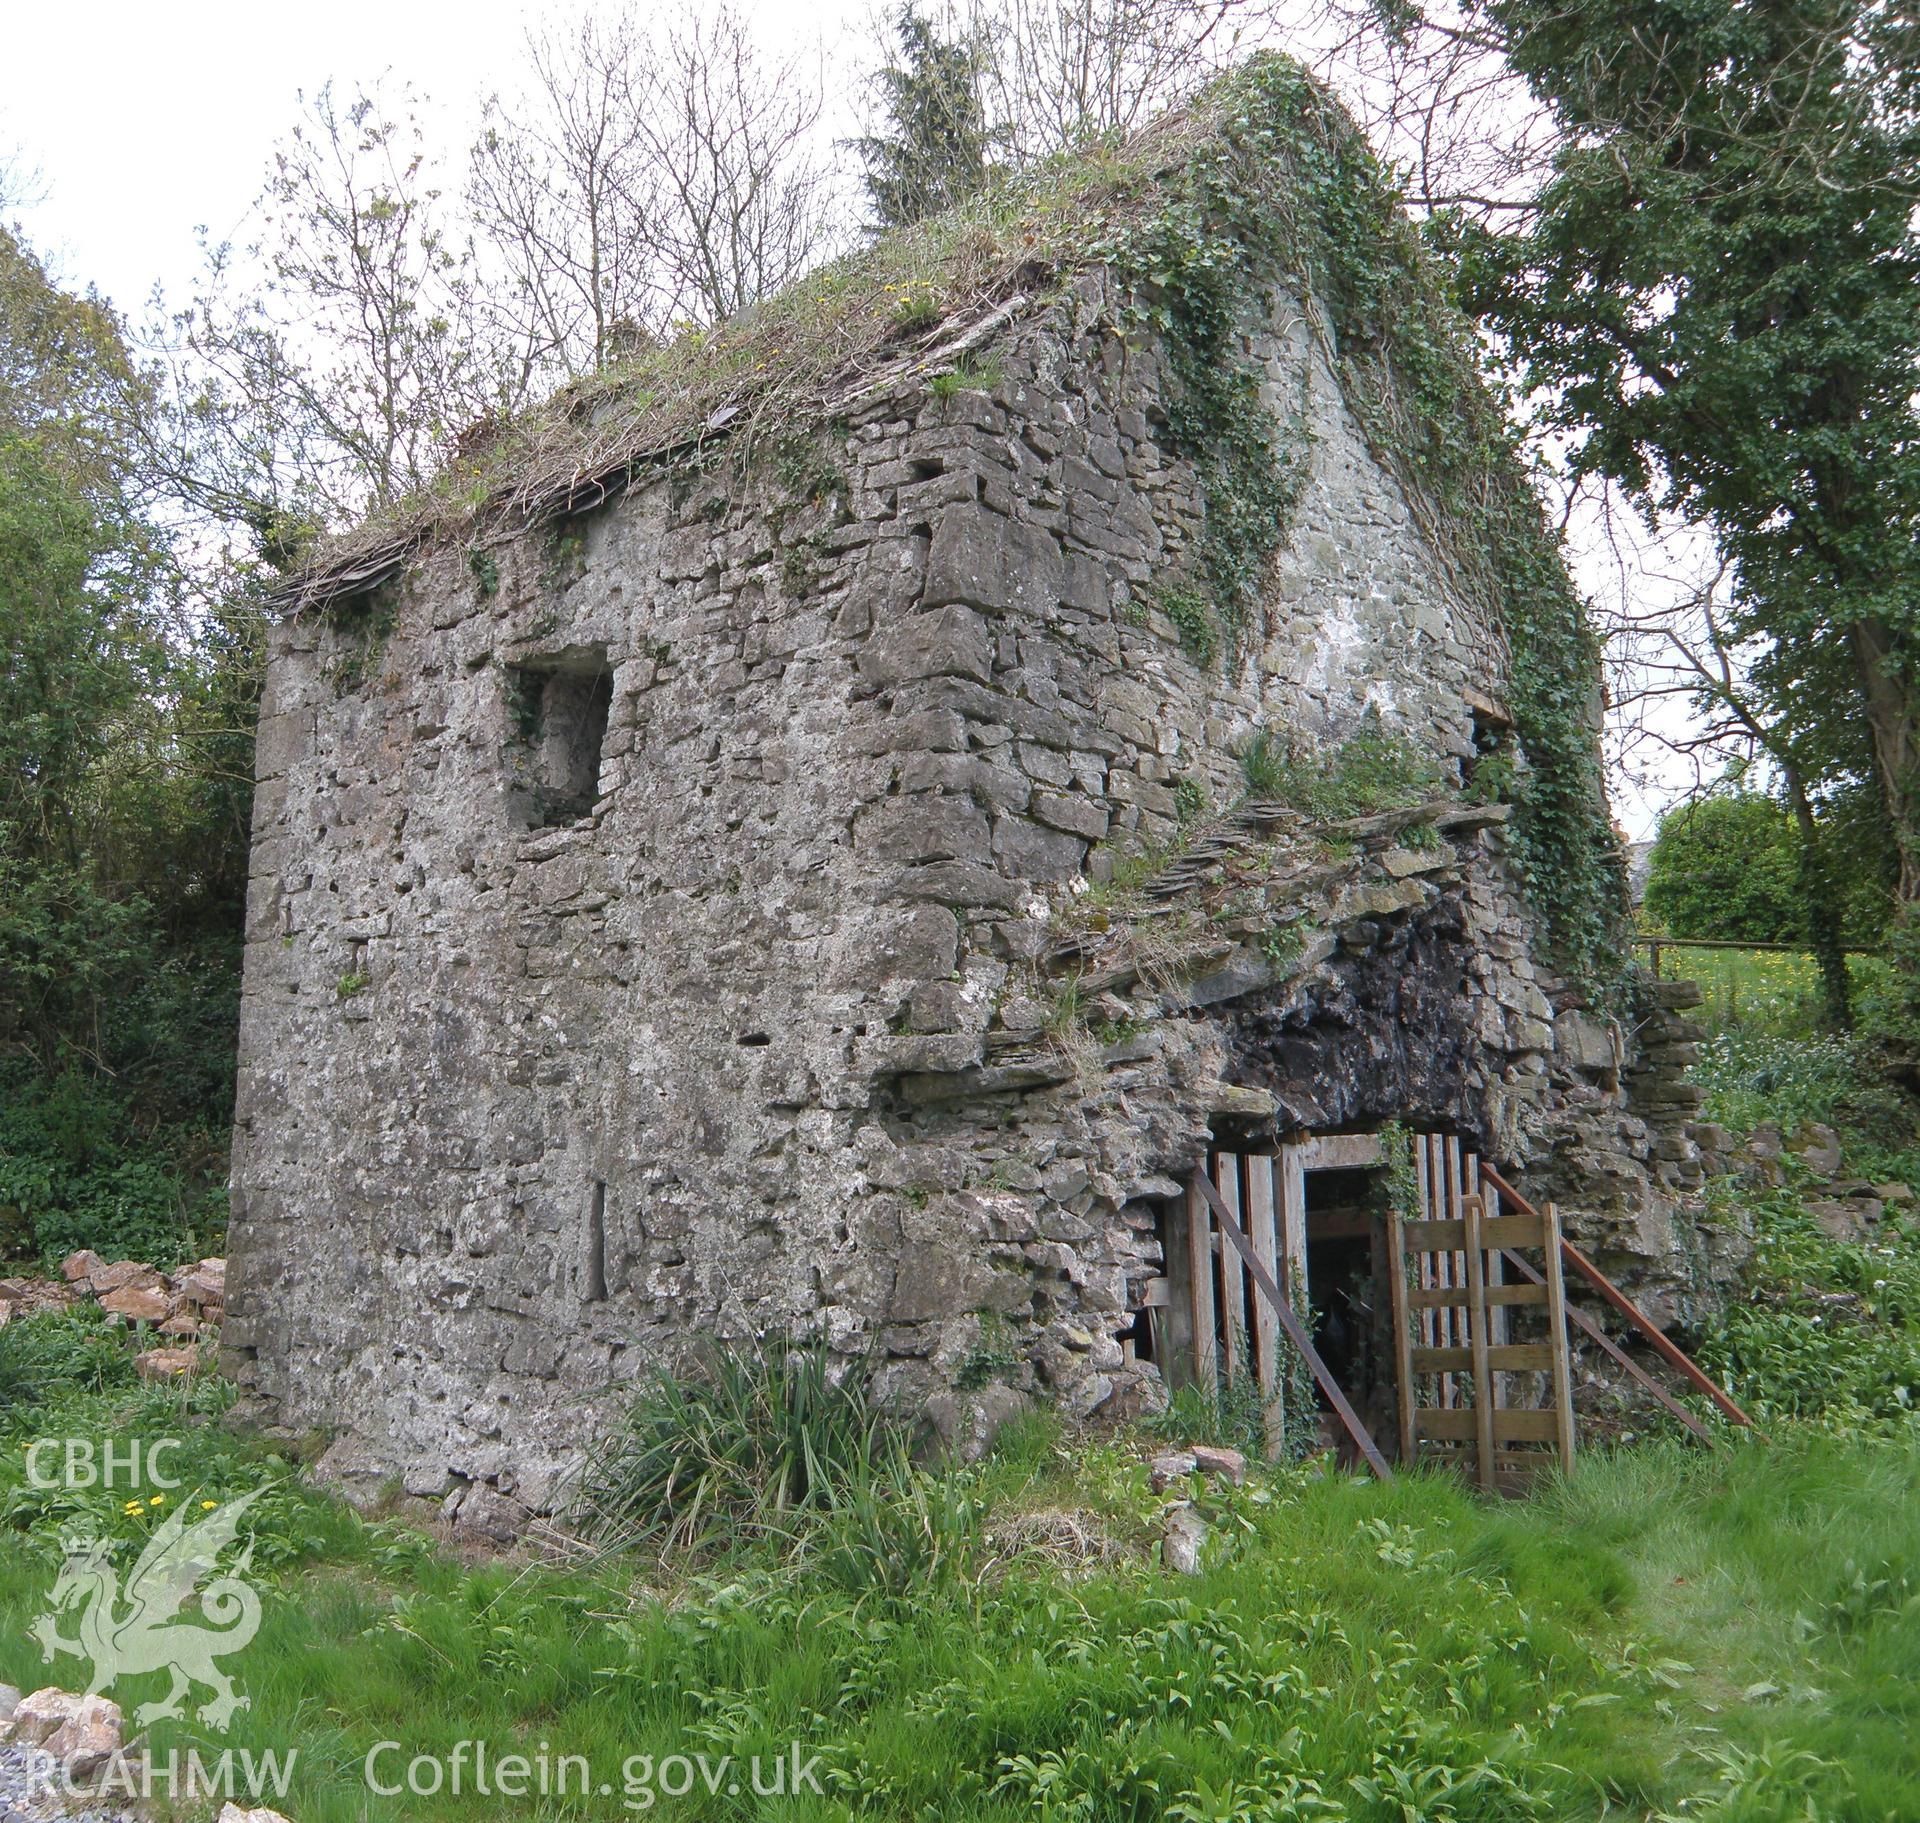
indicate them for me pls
(135, 1305)
(964, 1425)
(167, 1363)
(87, 1737)
(1229, 1465)
(80, 1733)
(1183, 1540)
(993, 563)
(1819, 1148)
(1164, 1471)
(125, 1275)
(81, 1266)
(1841, 1221)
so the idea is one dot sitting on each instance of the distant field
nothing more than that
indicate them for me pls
(1777, 990)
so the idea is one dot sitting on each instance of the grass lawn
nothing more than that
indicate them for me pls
(1776, 992)
(1672, 1632)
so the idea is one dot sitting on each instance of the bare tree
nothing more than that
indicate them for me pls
(745, 199)
(1433, 90)
(1685, 713)
(1051, 74)
(323, 368)
(649, 176)
(559, 190)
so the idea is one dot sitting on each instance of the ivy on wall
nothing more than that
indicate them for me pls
(1282, 192)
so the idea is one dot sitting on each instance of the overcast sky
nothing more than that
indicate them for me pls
(180, 105)
(171, 123)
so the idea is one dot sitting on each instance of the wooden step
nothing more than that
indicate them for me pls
(1508, 1358)
(1461, 1424)
(1495, 1231)
(1454, 1297)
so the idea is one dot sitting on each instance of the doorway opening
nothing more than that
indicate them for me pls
(1312, 1213)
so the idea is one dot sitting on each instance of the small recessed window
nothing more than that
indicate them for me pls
(559, 708)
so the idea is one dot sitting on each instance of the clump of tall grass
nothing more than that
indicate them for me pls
(896, 1530)
(78, 1351)
(746, 1445)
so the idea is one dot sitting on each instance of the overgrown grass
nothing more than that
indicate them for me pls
(1670, 1633)
(745, 1446)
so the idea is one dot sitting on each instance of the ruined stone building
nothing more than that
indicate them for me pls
(845, 827)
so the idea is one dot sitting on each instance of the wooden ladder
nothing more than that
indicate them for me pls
(1458, 1382)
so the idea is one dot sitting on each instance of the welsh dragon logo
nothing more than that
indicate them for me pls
(129, 1630)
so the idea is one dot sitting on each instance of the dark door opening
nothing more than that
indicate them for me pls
(1313, 1212)
(1347, 1290)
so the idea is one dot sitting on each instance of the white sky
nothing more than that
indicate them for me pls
(171, 127)
(180, 105)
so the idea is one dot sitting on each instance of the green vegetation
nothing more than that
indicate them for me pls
(965, 378)
(1671, 1633)
(934, 153)
(1716, 299)
(1370, 771)
(1726, 866)
(1729, 865)
(747, 1445)
(125, 779)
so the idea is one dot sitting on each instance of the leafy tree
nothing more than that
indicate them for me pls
(936, 152)
(1718, 300)
(125, 714)
(1727, 866)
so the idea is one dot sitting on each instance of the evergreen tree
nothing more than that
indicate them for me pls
(937, 152)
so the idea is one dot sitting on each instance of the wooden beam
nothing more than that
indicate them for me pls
(1233, 1300)
(1261, 1172)
(1557, 1339)
(1296, 1331)
(1402, 1333)
(1339, 1152)
(1477, 1336)
(1663, 1344)
(1609, 1347)
(1206, 1351)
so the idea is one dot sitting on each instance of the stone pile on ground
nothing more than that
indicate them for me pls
(56, 1747)
(180, 1306)
(1846, 1206)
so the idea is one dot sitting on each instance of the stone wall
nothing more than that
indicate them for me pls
(556, 1062)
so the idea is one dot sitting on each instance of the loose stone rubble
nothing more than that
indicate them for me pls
(800, 997)
(180, 1307)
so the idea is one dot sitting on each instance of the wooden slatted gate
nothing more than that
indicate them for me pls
(1461, 1374)
(1475, 1328)
(1215, 1322)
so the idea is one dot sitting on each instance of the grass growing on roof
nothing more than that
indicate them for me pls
(1372, 770)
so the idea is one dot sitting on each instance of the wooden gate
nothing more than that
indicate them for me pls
(1469, 1393)
(1478, 1329)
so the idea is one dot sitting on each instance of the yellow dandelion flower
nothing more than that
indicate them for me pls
(207, 1506)
(159, 1500)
